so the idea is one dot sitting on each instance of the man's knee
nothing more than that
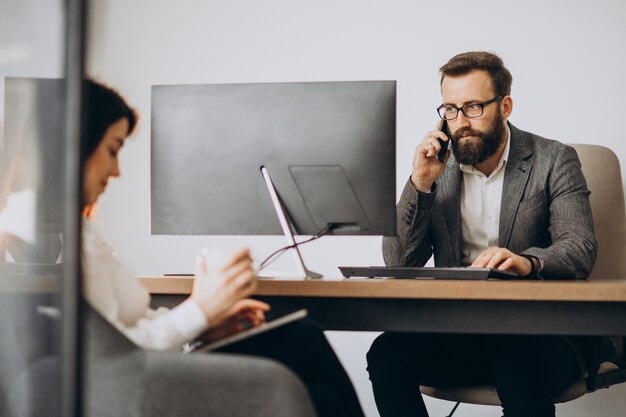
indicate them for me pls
(524, 389)
(383, 353)
(540, 371)
(522, 395)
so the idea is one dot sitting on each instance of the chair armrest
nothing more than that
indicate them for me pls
(119, 379)
(220, 385)
(611, 377)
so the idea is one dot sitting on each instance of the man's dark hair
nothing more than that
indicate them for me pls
(466, 62)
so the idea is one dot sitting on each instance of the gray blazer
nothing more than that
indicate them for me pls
(545, 212)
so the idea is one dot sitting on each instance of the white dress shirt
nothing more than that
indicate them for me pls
(121, 299)
(480, 206)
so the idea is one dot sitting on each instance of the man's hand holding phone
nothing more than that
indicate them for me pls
(427, 167)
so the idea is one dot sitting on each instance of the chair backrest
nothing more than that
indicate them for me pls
(113, 369)
(604, 178)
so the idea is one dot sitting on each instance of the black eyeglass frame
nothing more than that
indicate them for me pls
(482, 107)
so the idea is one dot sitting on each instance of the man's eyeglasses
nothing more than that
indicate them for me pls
(472, 110)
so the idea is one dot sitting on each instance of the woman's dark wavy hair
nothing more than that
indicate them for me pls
(104, 107)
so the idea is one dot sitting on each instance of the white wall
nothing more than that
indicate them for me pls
(567, 60)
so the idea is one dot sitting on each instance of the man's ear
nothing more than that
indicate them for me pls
(507, 106)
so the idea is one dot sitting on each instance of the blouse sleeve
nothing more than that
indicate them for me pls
(167, 329)
(121, 299)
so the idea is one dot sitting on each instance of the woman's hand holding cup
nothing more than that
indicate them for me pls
(219, 284)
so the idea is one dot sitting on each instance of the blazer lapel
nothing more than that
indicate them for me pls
(451, 205)
(516, 176)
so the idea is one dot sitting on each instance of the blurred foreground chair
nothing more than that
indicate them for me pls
(122, 380)
(604, 178)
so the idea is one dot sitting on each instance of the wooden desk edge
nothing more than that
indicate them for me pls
(584, 291)
(29, 284)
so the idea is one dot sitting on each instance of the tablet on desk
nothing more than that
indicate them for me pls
(200, 346)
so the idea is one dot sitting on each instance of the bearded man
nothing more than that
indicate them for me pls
(503, 199)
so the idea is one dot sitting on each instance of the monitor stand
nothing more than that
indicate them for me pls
(285, 223)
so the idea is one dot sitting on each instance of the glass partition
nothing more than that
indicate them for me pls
(38, 288)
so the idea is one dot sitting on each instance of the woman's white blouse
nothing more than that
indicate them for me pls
(124, 302)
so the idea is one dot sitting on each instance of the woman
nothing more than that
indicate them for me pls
(217, 302)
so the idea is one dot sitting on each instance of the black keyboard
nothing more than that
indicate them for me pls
(424, 272)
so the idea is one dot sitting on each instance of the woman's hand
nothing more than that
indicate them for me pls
(243, 315)
(217, 292)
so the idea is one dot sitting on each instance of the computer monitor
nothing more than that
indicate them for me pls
(329, 148)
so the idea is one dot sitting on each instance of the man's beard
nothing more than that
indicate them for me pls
(471, 152)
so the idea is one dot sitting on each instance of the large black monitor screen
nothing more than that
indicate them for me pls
(329, 148)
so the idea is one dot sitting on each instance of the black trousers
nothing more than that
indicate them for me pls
(303, 348)
(528, 371)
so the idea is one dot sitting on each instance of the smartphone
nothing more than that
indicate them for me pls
(444, 144)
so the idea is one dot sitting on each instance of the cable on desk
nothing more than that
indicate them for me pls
(276, 254)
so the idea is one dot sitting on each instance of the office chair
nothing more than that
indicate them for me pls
(604, 178)
(120, 379)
